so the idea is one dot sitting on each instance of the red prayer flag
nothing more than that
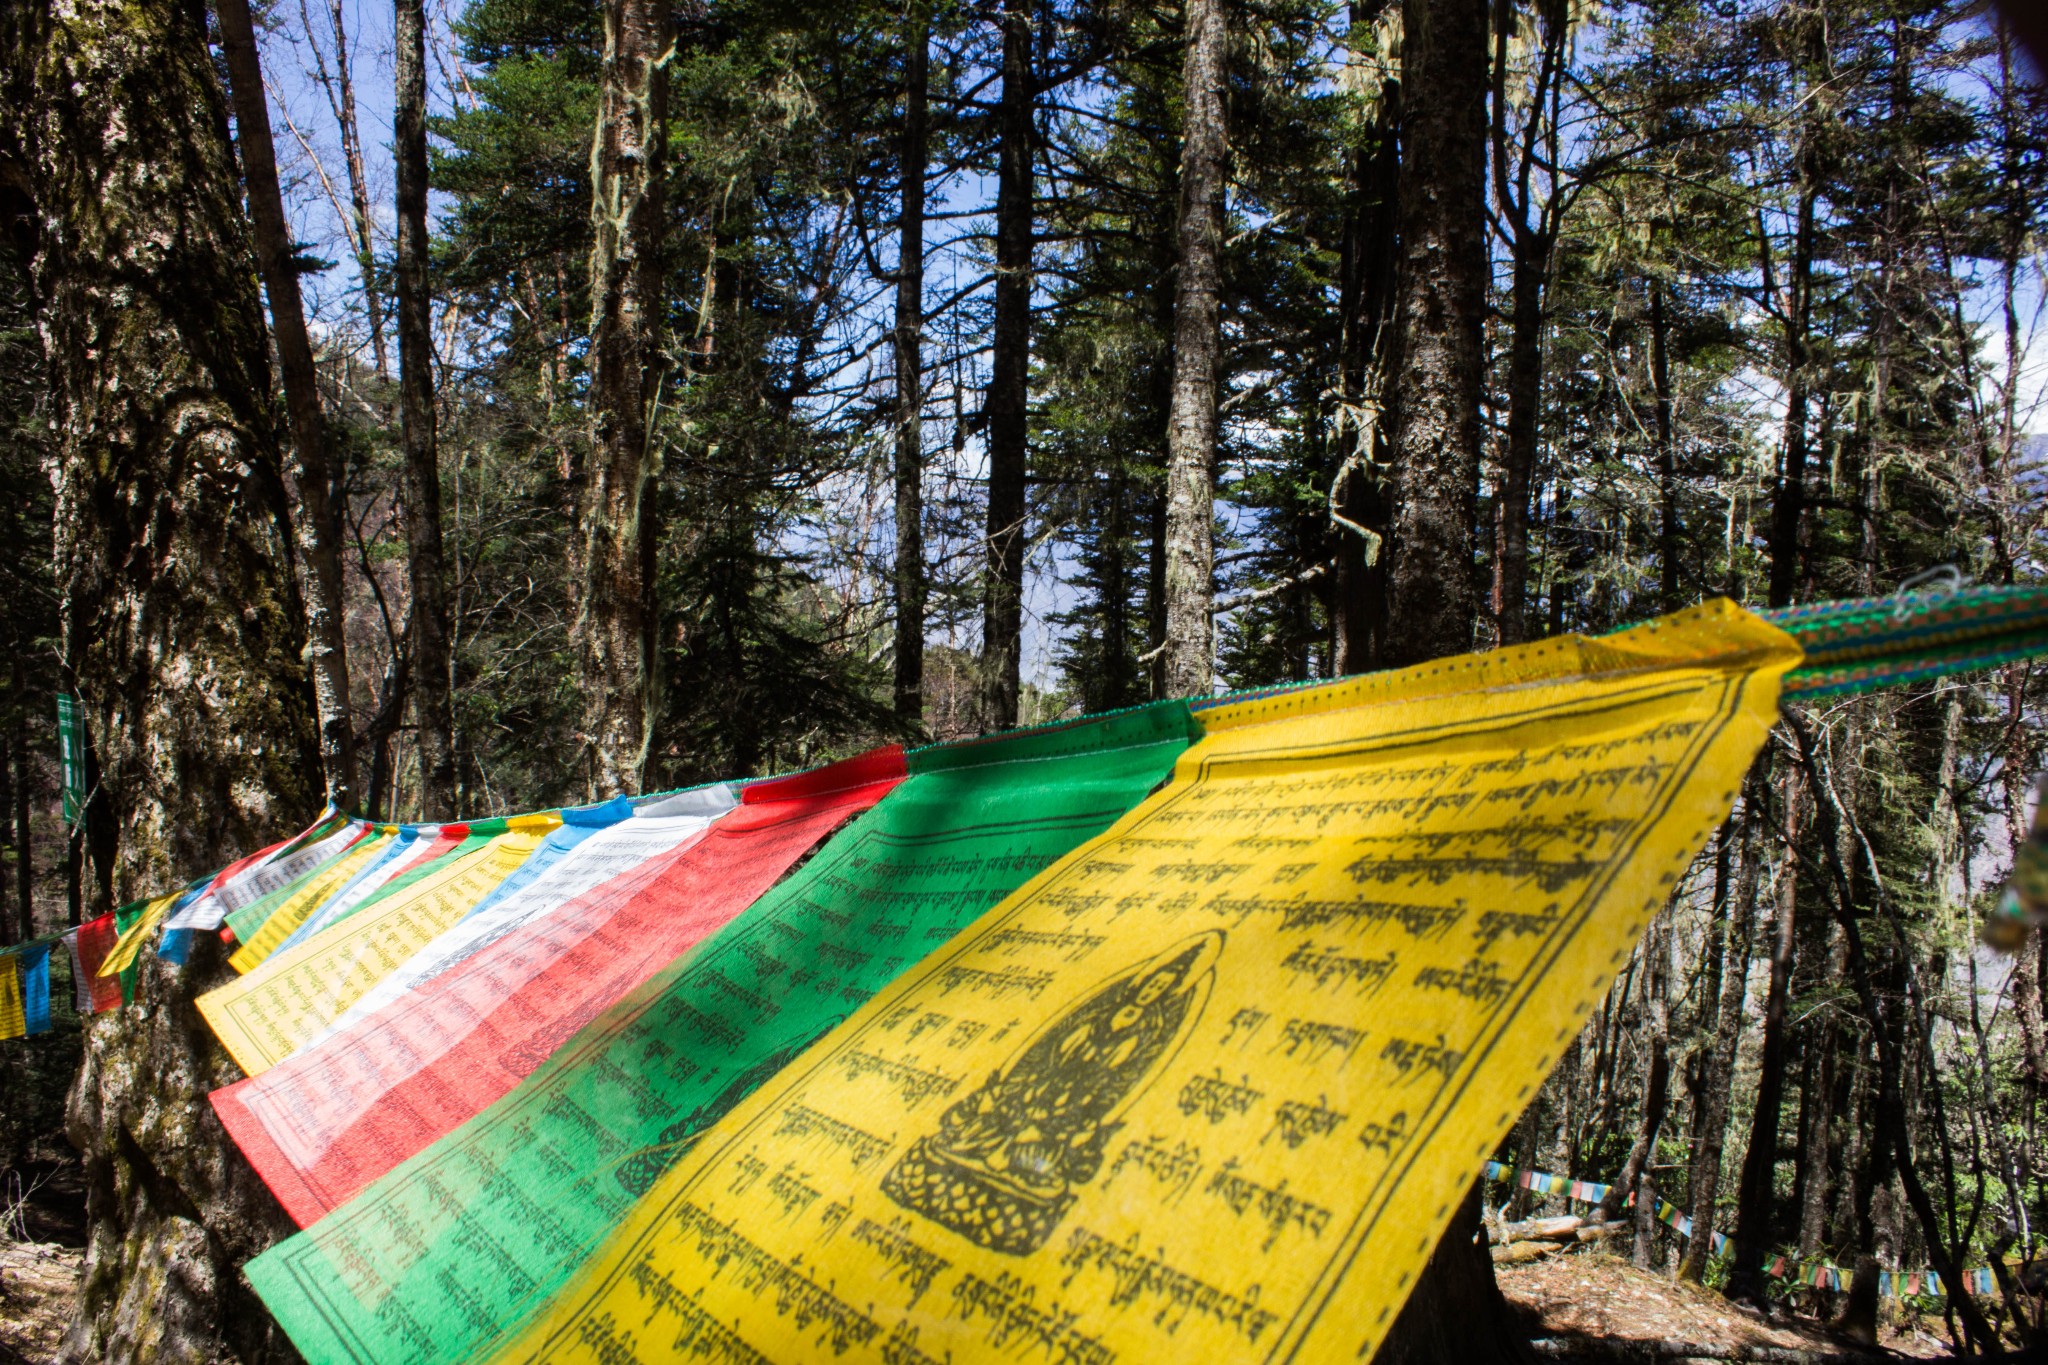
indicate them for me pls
(95, 940)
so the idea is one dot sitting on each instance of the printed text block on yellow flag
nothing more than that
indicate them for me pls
(1209, 1087)
(267, 1015)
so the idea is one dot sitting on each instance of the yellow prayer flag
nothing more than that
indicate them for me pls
(302, 903)
(123, 954)
(1209, 1088)
(265, 1016)
(13, 1014)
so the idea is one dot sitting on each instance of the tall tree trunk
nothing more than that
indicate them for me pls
(1638, 1171)
(1191, 412)
(1755, 1201)
(1366, 295)
(1668, 529)
(24, 833)
(180, 619)
(1717, 1084)
(1440, 315)
(1009, 372)
(1518, 457)
(1455, 1312)
(421, 504)
(318, 527)
(344, 102)
(12, 930)
(909, 584)
(617, 511)
(1789, 500)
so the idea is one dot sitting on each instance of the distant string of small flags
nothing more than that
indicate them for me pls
(1892, 1284)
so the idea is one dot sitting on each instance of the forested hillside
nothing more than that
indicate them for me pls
(532, 401)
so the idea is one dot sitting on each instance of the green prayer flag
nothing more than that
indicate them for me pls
(71, 757)
(446, 1253)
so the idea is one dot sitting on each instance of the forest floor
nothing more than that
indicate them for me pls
(1599, 1301)
(1591, 1298)
(42, 1240)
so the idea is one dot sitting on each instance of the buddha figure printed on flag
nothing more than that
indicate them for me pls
(1003, 1168)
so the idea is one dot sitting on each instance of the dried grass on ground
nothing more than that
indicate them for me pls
(38, 1293)
(1591, 1296)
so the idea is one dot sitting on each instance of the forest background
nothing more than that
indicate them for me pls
(713, 391)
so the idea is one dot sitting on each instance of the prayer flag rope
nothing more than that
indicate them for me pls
(1861, 645)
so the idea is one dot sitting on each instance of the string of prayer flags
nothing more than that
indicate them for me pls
(316, 878)
(349, 1106)
(265, 1016)
(405, 848)
(1288, 1003)
(265, 938)
(263, 872)
(444, 1253)
(653, 831)
(122, 955)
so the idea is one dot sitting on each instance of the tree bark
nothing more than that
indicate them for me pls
(1366, 294)
(1440, 314)
(317, 526)
(1009, 372)
(180, 620)
(1456, 1314)
(613, 548)
(1191, 413)
(22, 788)
(1789, 501)
(1668, 528)
(1518, 457)
(421, 488)
(341, 95)
(909, 583)
(1738, 916)
(1755, 1200)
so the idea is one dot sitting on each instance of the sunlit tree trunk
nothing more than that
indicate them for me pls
(317, 526)
(1441, 312)
(1191, 414)
(421, 489)
(180, 619)
(909, 581)
(613, 548)
(1009, 372)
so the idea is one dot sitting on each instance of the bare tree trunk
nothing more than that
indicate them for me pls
(1357, 497)
(1719, 1079)
(1667, 454)
(318, 528)
(617, 509)
(432, 709)
(1456, 1314)
(22, 790)
(1756, 1205)
(1518, 459)
(909, 585)
(1637, 1172)
(1191, 415)
(359, 189)
(182, 631)
(1009, 372)
(1789, 501)
(1440, 315)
